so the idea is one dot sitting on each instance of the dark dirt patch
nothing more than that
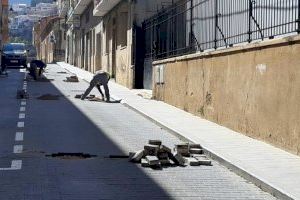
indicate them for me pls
(44, 80)
(48, 97)
(71, 156)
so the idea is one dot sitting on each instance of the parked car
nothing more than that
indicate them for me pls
(14, 54)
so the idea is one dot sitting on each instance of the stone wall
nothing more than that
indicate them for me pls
(253, 89)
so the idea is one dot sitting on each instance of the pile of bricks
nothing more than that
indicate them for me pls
(22, 94)
(157, 155)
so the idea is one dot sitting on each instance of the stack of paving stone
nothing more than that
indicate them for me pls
(22, 94)
(157, 155)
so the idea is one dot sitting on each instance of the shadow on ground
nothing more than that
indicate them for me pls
(58, 126)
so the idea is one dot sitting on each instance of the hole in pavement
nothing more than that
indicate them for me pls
(44, 80)
(71, 156)
(48, 97)
(33, 151)
(117, 156)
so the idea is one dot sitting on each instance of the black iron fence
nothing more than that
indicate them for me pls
(197, 25)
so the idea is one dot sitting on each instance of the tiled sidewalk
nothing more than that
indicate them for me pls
(272, 169)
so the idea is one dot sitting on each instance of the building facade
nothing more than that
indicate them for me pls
(4, 21)
(49, 39)
(108, 35)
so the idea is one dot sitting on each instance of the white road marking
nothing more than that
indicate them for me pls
(19, 136)
(15, 165)
(21, 115)
(22, 109)
(23, 103)
(20, 124)
(18, 148)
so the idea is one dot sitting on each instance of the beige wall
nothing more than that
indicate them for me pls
(117, 36)
(254, 89)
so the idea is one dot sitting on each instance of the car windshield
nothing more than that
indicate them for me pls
(14, 47)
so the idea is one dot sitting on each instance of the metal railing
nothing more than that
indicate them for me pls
(197, 25)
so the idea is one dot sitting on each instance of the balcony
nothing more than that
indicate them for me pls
(81, 6)
(102, 7)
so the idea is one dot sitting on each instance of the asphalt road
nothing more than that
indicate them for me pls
(32, 130)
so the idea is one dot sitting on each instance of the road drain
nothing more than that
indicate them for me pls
(71, 156)
(48, 97)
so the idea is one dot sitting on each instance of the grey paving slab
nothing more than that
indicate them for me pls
(273, 169)
(71, 125)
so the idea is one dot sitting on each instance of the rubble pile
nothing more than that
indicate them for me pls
(22, 94)
(72, 79)
(157, 155)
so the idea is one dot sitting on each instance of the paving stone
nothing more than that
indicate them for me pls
(197, 146)
(163, 155)
(179, 158)
(164, 148)
(204, 161)
(165, 161)
(144, 163)
(151, 150)
(200, 156)
(152, 160)
(192, 161)
(195, 151)
(182, 149)
(130, 155)
(154, 142)
(138, 156)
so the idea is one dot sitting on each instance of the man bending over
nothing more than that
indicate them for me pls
(100, 78)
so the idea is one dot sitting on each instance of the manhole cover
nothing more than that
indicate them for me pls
(48, 97)
(71, 156)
